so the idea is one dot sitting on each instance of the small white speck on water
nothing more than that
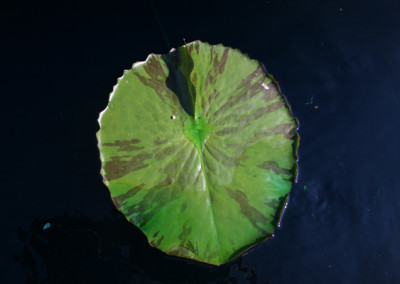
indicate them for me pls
(265, 86)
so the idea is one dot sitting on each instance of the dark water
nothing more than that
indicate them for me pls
(338, 64)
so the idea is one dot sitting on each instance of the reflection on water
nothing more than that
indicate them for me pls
(76, 249)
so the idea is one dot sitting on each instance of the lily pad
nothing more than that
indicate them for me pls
(198, 150)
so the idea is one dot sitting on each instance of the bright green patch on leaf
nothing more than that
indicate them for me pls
(197, 130)
(198, 150)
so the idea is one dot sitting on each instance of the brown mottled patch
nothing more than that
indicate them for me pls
(180, 251)
(288, 130)
(218, 67)
(125, 145)
(157, 80)
(190, 48)
(157, 197)
(270, 108)
(206, 102)
(270, 94)
(119, 200)
(273, 203)
(212, 96)
(274, 168)
(117, 168)
(195, 45)
(157, 243)
(252, 83)
(246, 90)
(252, 214)
(246, 119)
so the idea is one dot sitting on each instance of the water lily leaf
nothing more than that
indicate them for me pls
(198, 150)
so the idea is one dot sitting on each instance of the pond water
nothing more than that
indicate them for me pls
(338, 65)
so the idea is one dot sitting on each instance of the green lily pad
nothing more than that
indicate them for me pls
(198, 150)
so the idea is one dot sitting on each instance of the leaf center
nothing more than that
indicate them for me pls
(197, 131)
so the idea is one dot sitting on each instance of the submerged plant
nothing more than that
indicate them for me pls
(198, 150)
